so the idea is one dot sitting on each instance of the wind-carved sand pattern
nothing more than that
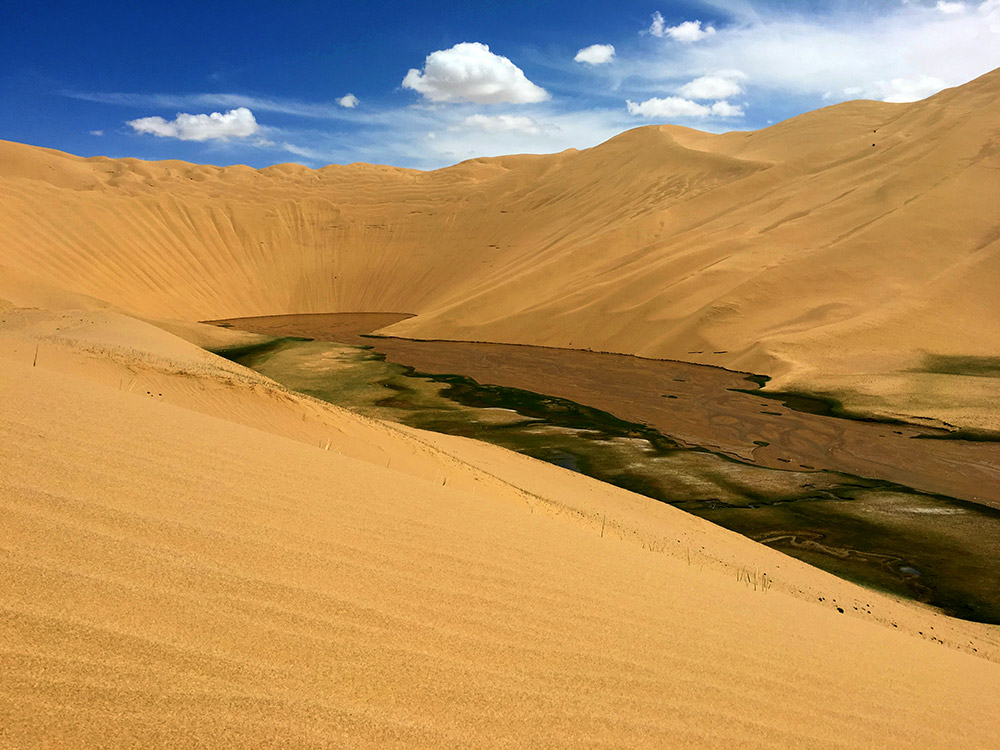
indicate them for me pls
(702, 453)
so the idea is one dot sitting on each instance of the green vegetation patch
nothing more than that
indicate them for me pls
(877, 533)
(817, 403)
(974, 367)
(247, 354)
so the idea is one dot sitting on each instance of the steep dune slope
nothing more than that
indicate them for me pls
(835, 251)
(193, 557)
(190, 241)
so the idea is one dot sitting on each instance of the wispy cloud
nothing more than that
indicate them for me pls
(548, 130)
(295, 108)
(950, 8)
(499, 124)
(862, 49)
(310, 154)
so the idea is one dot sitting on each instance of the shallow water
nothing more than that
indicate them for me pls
(933, 548)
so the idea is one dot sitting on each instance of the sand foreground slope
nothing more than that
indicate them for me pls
(193, 556)
(854, 250)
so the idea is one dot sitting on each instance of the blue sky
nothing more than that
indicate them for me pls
(426, 84)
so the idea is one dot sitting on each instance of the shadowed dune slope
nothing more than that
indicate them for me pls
(193, 556)
(835, 251)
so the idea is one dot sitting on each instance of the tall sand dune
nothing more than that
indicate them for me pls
(854, 250)
(193, 556)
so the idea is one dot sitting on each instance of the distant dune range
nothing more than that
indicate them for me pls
(853, 251)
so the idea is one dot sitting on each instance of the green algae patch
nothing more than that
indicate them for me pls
(928, 547)
(974, 367)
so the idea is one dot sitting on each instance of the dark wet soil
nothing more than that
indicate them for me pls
(861, 499)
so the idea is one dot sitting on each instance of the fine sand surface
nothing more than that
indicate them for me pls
(851, 250)
(692, 403)
(193, 556)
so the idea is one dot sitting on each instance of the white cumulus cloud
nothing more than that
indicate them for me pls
(596, 54)
(236, 123)
(350, 101)
(688, 31)
(671, 107)
(725, 109)
(501, 123)
(469, 72)
(467, 134)
(711, 87)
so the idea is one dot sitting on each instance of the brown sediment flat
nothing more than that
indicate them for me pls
(693, 403)
(345, 328)
(707, 412)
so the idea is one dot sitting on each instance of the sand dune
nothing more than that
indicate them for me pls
(835, 251)
(194, 556)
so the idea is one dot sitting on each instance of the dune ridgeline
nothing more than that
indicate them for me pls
(193, 555)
